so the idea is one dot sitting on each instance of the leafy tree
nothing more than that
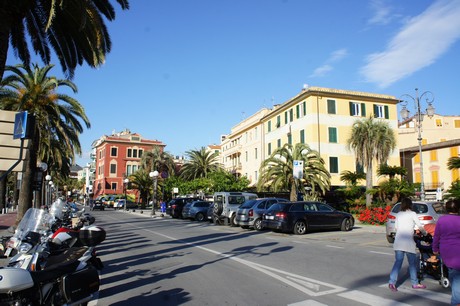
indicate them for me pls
(75, 30)
(453, 163)
(158, 160)
(200, 163)
(141, 181)
(391, 171)
(276, 172)
(352, 178)
(371, 139)
(57, 119)
(454, 190)
(226, 181)
(393, 190)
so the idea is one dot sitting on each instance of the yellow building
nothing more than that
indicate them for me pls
(319, 117)
(440, 141)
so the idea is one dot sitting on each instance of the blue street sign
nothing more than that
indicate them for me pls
(20, 125)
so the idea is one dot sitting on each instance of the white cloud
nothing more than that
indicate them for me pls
(381, 13)
(419, 44)
(334, 57)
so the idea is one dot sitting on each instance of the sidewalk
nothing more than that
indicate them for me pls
(6, 221)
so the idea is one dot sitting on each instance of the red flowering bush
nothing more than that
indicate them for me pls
(374, 215)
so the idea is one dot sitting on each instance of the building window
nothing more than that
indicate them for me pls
(302, 136)
(357, 109)
(255, 175)
(113, 151)
(304, 108)
(255, 153)
(255, 133)
(286, 117)
(297, 110)
(333, 164)
(291, 115)
(332, 135)
(134, 153)
(439, 122)
(113, 186)
(278, 121)
(331, 106)
(279, 143)
(130, 154)
(457, 123)
(433, 155)
(269, 149)
(289, 138)
(381, 111)
(140, 152)
(113, 168)
(128, 170)
(246, 155)
(269, 126)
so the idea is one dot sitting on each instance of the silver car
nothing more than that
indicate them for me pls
(250, 213)
(427, 212)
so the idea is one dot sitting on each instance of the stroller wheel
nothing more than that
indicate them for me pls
(444, 282)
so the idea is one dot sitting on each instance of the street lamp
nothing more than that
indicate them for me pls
(419, 118)
(47, 191)
(125, 184)
(154, 176)
(51, 192)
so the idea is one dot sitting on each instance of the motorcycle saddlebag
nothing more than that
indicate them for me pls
(80, 284)
(91, 236)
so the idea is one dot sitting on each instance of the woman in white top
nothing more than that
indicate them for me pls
(404, 244)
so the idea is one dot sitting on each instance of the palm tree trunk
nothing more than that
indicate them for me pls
(368, 185)
(293, 194)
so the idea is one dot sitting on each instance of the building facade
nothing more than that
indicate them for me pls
(117, 157)
(317, 116)
(440, 141)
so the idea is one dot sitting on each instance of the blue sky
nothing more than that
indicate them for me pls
(185, 72)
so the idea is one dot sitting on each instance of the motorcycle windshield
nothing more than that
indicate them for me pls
(34, 220)
(58, 209)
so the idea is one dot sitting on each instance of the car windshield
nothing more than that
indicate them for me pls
(248, 204)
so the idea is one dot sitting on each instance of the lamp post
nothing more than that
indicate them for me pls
(419, 118)
(51, 193)
(154, 176)
(125, 184)
(47, 187)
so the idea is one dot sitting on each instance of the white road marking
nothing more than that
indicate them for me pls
(427, 294)
(307, 303)
(369, 299)
(334, 246)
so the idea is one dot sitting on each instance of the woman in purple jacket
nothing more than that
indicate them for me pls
(446, 241)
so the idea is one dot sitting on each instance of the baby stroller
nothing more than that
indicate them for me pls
(435, 268)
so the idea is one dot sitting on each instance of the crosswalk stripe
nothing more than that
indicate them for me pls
(369, 299)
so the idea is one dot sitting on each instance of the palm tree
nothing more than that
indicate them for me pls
(277, 171)
(74, 29)
(352, 178)
(391, 171)
(453, 163)
(200, 163)
(57, 119)
(141, 181)
(158, 160)
(371, 139)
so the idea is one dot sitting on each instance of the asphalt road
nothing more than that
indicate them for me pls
(163, 261)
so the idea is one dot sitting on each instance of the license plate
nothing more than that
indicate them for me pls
(270, 217)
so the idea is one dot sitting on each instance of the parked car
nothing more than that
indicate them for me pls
(174, 207)
(196, 210)
(427, 212)
(301, 217)
(120, 204)
(98, 205)
(226, 204)
(249, 214)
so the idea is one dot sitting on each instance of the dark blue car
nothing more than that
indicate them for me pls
(197, 210)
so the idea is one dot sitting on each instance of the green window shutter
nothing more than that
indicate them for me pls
(279, 143)
(363, 110)
(302, 136)
(297, 110)
(269, 149)
(285, 117)
(290, 139)
(387, 112)
(291, 115)
(351, 108)
(278, 121)
(333, 134)
(269, 126)
(304, 108)
(333, 164)
(376, 109)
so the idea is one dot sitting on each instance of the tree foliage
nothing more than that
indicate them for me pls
(200, 163)
(276, 172)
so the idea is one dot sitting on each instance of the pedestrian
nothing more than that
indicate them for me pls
(404, 244)
(446, 242)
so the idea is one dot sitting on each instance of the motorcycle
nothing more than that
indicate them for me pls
(41, 274)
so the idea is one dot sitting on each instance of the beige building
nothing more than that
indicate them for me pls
(319, 117)
(440, 141)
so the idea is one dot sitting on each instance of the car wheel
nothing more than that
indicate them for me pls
(346, 225)
(300, 227)
(199, 217)
(233, 221)
(258, 225)
(390, 239)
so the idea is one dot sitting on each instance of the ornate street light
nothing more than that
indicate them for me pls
(419, 118)
(125, 184)
(154, 176)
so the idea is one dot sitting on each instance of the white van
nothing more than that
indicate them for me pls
(226, 205)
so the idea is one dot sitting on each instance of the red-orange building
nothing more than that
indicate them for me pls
(117, 157)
